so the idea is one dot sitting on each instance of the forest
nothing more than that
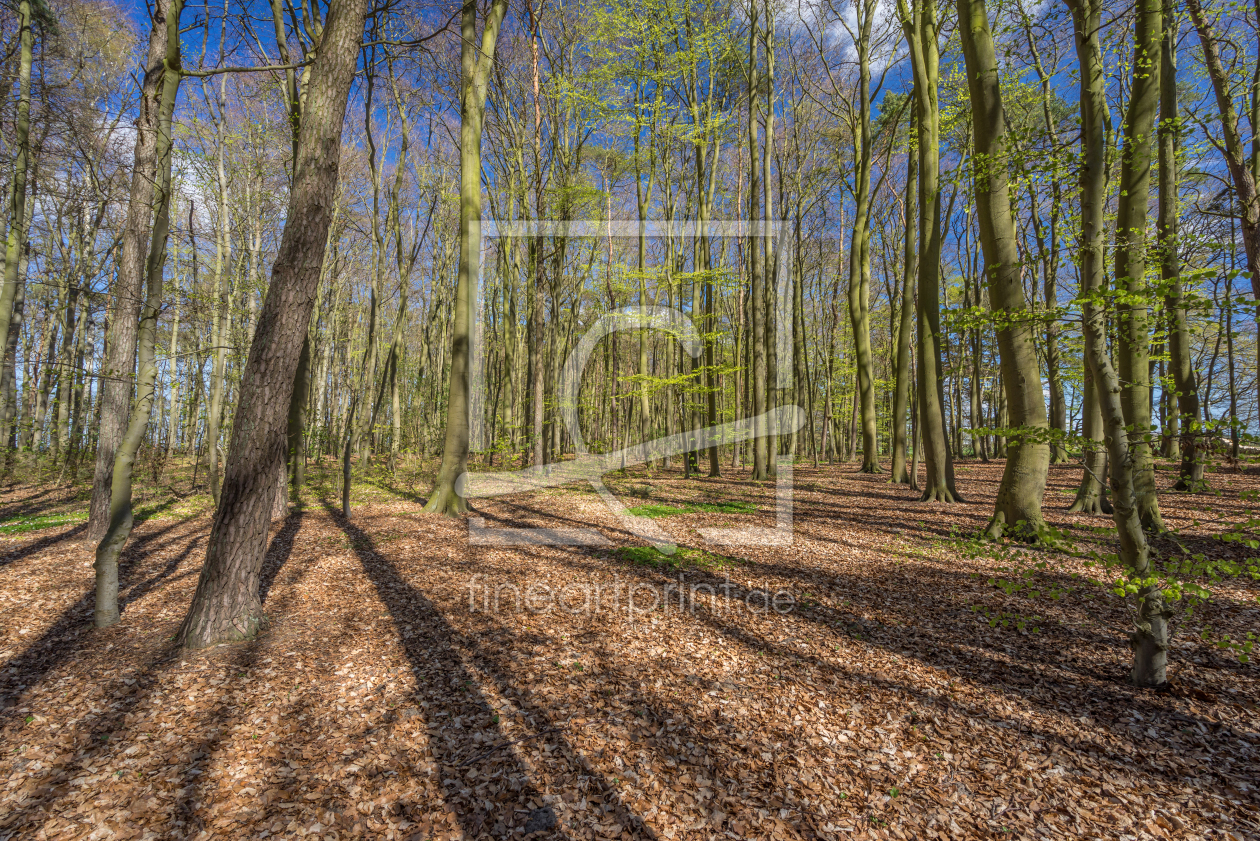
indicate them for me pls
(638, 419)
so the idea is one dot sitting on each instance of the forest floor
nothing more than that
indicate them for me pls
(905, 694)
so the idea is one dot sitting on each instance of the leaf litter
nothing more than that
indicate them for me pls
(404, 687)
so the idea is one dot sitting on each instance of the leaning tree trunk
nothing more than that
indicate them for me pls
(446, 497)
(920, 28)
(1150, 636)
(1179, 359)
(1132, 328)
(120, 513)
(1240, 171)
(1018, 504)
(120, 344)
(226, 605)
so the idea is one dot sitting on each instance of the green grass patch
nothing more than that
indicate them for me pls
(655, 509)
(684, 558)
(44, 521)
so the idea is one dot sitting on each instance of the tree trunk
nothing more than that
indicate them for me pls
(910, 269)
(226, 605)
(1150, 636)
(120, 513)
(859, 249)
(921, 37)
(18, 222)
(756, 262)
(1185, 381)
(120, 344)
(446, 497)
(1240, 171)
(1133, 330)
(1090, 494)
(1018, 504)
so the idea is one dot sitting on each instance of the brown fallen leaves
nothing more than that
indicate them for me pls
(386, 701)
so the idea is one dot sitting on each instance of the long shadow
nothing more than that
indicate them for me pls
(145, 677)
(37, 546)
(186, 817)
(65, 635)
(22, 508)
(1014, 679)
(442, 675)
(278, 552)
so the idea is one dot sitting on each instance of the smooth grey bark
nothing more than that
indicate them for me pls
(909, 271)
(1150, 636)
(1132, 328)
(1018, 504)
(1181, 364)
(921, 31)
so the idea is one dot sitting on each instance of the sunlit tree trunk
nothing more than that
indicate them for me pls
(226, 605)
(120, 512)
(1179, 359)
(120, 343)
(1018, 504)
(476, 64)
(859, 248)
(1150, 635)
(1133, 330)
(1241, 170)
(921, 37)
(909, 271)
(756, 263)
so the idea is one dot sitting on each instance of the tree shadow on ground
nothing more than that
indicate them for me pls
(102, 735)
(449, 680)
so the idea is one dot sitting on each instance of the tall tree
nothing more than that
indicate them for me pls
(1179, 359)
(1150, 634)
(226, 605)
(120, 511)
(909, 271)
(475, 63)
(1018, 503)
(1133, 328)
(859, 247)
(920, 27)
(28, 11)
(120, 342)
(1241, 169)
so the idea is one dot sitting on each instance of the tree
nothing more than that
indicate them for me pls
(1150, 635)
(226, 605)
(120, 511)
(1132, 328)
(1184, 380)
(1240, 169)
(474, 84)
(120, 343)
(1018, 503)
(920, 29)
(859, 246)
